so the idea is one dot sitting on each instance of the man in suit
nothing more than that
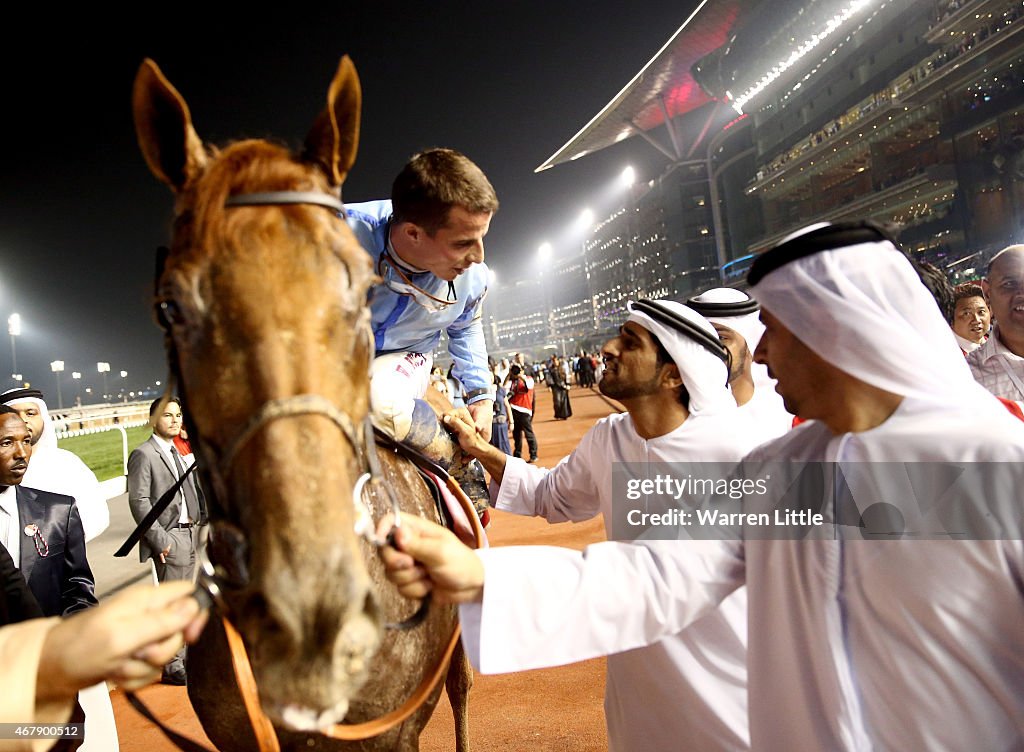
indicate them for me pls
(41, 530)
(153, 467)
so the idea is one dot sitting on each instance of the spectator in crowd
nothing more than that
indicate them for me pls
(586, 370)
(55, 469)
(455, 391)
(971, 316)
(502, 418)
(559, 383)
(438, 380)
(501, 370)
(998, 364)
(520, 391)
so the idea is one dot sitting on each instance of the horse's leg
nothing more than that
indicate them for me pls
(457, 684)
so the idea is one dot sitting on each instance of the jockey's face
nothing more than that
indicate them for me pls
(449, 251)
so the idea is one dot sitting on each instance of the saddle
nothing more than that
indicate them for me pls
(443, 486)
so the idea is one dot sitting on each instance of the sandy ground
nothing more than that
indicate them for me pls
(549, 709)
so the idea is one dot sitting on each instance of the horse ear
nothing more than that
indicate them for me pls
(334, 138)
(163, 126)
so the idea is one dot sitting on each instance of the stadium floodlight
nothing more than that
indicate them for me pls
(585, 221)
(628, 177)
(544, 252)
(57, 366)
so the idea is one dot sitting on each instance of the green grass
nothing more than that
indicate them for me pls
(102, 452)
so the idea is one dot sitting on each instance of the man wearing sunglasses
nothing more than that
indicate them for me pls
(428, 246)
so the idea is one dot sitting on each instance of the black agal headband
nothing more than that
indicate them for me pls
(723, 310)
(664, 315)
(17, 395)
(828, 238)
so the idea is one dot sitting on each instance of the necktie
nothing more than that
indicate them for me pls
(187, 489)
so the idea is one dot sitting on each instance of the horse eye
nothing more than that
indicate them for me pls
(169, 314)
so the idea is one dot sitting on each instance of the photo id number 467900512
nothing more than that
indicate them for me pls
(42, 730)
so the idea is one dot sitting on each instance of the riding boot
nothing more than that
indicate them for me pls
(428, 436)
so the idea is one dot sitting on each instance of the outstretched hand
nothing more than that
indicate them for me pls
(126, 639)
(430, 559)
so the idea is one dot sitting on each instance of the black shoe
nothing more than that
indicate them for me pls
(175, 677)
(532, 460)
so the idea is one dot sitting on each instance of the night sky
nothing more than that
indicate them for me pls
(81, 216)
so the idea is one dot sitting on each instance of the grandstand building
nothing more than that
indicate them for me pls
(775, 114)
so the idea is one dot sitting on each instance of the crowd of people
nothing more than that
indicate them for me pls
(845, 351)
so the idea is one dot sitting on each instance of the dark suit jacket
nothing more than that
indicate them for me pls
(150, 473)
(17, 603)
(61, 581)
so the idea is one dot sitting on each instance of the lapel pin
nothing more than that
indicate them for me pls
(42, 547)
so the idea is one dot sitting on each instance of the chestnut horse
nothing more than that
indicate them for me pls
(262, 296)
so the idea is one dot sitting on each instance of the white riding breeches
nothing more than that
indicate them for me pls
(396, 381)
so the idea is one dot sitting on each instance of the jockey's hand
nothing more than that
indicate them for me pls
(483, 417)
(430, 559)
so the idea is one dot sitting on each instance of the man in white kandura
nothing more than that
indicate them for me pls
(668, 369)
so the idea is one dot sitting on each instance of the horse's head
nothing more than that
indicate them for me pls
(264, 306)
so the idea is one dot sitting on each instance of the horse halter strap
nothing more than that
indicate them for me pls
(272, 198)
(300, 404)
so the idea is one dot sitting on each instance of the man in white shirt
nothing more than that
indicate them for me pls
(912, 642)
(998, 364)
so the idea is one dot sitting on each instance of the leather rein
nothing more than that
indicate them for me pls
(216, 576)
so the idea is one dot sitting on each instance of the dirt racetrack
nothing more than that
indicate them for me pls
(550, 709)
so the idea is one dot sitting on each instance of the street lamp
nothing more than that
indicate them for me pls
(57, 367)
(14, 329)
(104, 368)
(124, 375)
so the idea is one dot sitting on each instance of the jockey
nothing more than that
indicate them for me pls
(427, 247)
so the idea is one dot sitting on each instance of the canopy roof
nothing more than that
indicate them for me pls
(665, 87)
